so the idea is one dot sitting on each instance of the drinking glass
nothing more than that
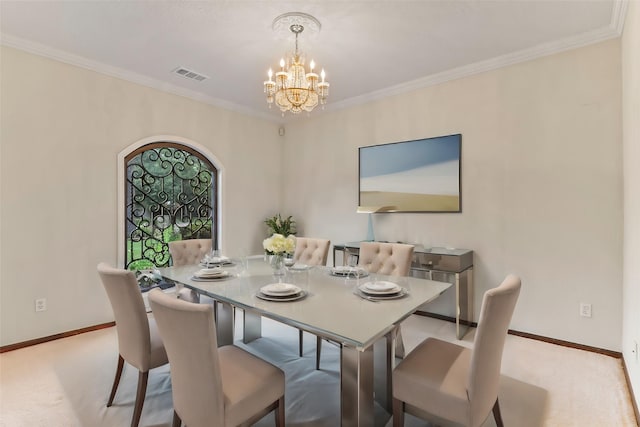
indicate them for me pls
(288, 259)
(373, 278)
(300, 278)
(242, 265)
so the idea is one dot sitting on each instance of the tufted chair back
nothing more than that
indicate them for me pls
(311, 251)
(391, 259)
(185, 252)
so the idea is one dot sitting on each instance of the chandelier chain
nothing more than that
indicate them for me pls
(297, 33)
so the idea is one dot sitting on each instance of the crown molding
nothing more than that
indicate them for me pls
(542, 50)
(109, 70)
(618, 15)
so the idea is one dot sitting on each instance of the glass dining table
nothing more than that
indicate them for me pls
(332, 308)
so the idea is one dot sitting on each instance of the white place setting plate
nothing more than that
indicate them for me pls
(289, 298)
(210, 274)
(381, 297)
(380, 288)
(280, 290)
(346, 270)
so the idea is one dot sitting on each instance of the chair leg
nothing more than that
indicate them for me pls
(318, 350)
(116, 380)
(496, 414)
(280, 413)
(398, 413)
(177, 422)
(142, 390)
(300, 340)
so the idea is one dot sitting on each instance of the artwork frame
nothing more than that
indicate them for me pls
(420, 176)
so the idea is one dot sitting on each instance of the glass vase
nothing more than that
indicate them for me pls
(277, 264)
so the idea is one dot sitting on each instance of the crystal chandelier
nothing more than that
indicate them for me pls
(294, 89)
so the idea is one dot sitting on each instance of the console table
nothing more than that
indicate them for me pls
(453, 266)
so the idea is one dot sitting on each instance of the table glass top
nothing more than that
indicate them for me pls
(331, 308)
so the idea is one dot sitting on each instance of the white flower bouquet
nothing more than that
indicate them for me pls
(278, 244)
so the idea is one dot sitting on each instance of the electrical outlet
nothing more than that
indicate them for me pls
(585, 309)
(41, 304)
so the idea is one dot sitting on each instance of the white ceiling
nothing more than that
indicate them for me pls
(369, 48)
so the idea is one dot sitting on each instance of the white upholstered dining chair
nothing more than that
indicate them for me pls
(390, 259)
(191, 251)
(213, 386)
(187, 252)
(440, 380)
(139, 343)
(310, 251)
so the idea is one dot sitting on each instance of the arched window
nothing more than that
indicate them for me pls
(170, 194)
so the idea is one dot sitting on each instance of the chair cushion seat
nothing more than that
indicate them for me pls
(249, 384)
(434, 378)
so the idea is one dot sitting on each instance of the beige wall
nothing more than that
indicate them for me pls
(631, 147)
(62, 129)
(541, 183)
(541, 179)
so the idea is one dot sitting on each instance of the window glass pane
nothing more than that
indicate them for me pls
(171, 192)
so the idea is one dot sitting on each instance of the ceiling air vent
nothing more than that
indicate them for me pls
(188, 74)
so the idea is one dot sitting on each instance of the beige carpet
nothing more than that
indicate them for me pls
(66, 382)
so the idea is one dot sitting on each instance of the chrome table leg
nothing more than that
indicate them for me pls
(224, 323)
(252, 327)
(356, 387)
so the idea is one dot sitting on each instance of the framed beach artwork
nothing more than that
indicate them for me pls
(411, 176)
